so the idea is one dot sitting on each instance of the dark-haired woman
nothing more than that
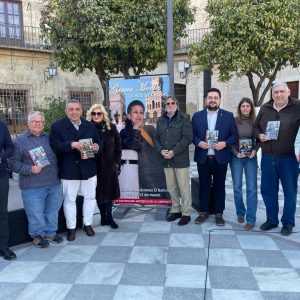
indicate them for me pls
(108, 163)
(245, 160)
(139, 137)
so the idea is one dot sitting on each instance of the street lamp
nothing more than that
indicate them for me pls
(50, 72)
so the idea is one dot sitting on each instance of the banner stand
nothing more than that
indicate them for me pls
(120, 211)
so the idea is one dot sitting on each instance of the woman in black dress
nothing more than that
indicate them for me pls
(108, 163)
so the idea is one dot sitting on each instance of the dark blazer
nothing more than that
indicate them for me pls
(71, 166)
(6, 148)
(227, 133)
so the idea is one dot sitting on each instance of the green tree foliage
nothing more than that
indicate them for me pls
(255, 38)
(55, 110)
(111, 36)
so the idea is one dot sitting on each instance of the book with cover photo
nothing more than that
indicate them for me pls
(87, 148)
(245, 146)
(39, 157)
(272, 129)
(212, 137)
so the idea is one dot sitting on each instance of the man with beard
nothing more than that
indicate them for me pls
(213, 156)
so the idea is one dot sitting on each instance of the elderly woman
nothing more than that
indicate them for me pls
(139, 137)
(108, 163)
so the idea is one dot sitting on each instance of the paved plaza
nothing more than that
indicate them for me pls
(150, 259)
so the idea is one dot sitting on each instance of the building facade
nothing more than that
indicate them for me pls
(28, 73)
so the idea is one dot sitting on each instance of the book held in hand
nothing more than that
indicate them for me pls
(87, 148)
(245, 146)
(272, 130)
(39, 157)
(212, 137)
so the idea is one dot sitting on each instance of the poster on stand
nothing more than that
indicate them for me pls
(142, 179)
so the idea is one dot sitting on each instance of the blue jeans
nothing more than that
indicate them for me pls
(284, 169)
(249, 166)
(41, 207)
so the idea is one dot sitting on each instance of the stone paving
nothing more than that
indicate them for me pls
(149, 259)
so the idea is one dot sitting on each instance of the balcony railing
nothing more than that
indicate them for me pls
(27, 37)
(192, 37)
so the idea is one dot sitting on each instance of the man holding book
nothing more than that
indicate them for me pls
(276, 126)
(77, 167)
(40, 187)
(214, 131)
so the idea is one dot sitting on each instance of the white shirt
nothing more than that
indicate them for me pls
(211, 122)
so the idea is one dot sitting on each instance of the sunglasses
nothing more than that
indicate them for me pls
(171, 103)
(98, 114)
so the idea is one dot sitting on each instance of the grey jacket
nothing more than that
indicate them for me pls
(174, 134)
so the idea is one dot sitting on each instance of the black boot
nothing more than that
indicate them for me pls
(108, 207)
(103, 215)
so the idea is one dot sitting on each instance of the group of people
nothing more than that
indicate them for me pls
(165, 149)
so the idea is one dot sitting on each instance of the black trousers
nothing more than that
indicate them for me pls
(4, 229)
(212, 176)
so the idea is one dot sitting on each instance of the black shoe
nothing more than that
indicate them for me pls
(8, 254)
(71, 235)
(174, 216)
(201, 218)
(219, 219)
(267, 226)
(89, 230)
(286, 229)
(111, 221)
(184, 220)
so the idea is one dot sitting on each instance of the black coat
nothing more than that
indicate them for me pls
(107, 163)
(71, 166)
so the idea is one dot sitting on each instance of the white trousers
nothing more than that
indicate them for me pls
(87, 189)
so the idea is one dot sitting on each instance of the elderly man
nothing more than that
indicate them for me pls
(278, 157)
(172, 138)
(214, 131)
(40, 187)
(76, 172)
(6, 151)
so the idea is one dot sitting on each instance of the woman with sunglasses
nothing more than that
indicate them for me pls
(244, 160)
(108, 163)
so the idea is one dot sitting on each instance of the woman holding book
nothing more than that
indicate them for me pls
(108, 163)
(245, 160)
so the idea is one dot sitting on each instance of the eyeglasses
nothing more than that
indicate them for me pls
(37, 122)
(213, 98)
(98, 114)
(171, 103)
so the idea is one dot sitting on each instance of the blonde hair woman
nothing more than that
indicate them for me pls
(108, 163)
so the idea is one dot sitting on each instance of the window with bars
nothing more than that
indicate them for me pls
(10, 20)
(14, 106)
(86, 96)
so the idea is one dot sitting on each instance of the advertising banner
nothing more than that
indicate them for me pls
(142, 180)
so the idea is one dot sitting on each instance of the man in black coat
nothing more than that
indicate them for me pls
(6, 151)
(77, 171)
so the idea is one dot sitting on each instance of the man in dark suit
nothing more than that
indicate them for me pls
(77, 173)
(6, 151)
(212, 157)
